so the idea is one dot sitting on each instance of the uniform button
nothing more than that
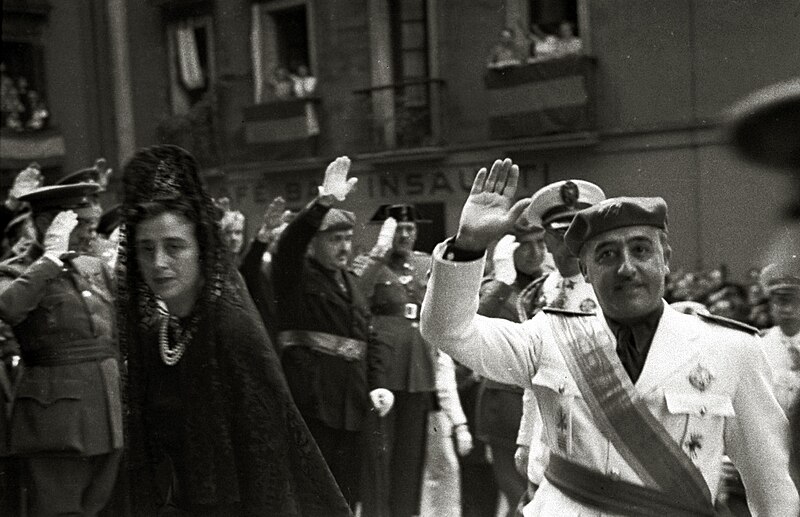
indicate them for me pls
(703, 411)
(414, 325)
(86, 293)
(562, 388)
(613, 473)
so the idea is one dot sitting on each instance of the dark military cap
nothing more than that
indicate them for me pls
(62, 197)
(337, 220)
(613, 213)
(403, 213)
(109, 221)
(94, 174)
(765, 126)
(525, 230)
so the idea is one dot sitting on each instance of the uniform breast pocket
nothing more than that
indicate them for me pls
(558, 397)
(702, 416)
(47, 417)
(56, 308)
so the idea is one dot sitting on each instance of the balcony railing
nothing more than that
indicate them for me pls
(404, 115)
(555, 96)
(283, 129)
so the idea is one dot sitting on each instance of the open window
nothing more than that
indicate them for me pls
(284, 58)
(547, 29)
(22, 87)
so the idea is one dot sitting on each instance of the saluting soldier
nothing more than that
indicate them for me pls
(517, 261)
(66, 423)
(394, 278)
(638, 401)
(552, 207)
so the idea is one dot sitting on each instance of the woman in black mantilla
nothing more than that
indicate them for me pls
(208, 406)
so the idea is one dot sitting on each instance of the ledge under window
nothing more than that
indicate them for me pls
(541, 98)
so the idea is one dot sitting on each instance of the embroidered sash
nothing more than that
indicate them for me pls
(622, 416)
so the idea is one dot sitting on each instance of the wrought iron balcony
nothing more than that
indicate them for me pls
(403, 115)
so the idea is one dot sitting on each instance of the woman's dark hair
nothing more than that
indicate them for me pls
(156, 180)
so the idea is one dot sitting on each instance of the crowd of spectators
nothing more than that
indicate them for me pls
(720, 295)
(534, 44)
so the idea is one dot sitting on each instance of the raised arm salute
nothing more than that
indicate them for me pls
(638, 401)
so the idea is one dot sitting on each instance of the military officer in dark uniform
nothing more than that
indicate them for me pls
(394, 278)
(66, 422)
(332, 364)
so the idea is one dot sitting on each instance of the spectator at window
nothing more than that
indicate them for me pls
(303, 83)
(541, 45)
(281, 84)
(567, 43)
(505, 53)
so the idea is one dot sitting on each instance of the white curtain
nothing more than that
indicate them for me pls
(191, 72)
(256, 45)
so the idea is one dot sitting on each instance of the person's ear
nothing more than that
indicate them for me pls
(667, 257)
(584, 271)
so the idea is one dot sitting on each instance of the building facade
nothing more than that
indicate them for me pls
(404, 89)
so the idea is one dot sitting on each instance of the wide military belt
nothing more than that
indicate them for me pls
(340, 346)
(409, 311)
(621, 414)
(74, 352)
(614, 495)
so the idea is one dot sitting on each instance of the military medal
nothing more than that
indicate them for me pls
(701, 378)
(588, 305)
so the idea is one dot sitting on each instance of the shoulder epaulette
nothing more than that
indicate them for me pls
(728, 322)
(565, 312)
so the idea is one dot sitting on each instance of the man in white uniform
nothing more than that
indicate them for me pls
(782, 342)
(552, 207)
(638, 401)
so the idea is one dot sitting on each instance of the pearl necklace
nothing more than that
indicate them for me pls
(169, 355)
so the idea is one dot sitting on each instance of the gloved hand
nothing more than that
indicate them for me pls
(385, 238)
(521, 459)
(56, 238)
(336, 183)
(382, 400)
(503, 259)
(28, 179)
(272, 219)
(463, 440)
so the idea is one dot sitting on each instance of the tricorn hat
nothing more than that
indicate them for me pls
(402, 213)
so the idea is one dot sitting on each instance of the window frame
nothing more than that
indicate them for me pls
(260, 11)
(196, 20)
(519, 10)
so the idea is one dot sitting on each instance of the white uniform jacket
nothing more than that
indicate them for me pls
(736, 414)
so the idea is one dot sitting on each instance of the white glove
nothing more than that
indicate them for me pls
(385, 238)
(28, 179)
(463, 440)
(56, 238)
(382, 400)
(336, 183)
(272, 218)
(521, 459)
(503, 260)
